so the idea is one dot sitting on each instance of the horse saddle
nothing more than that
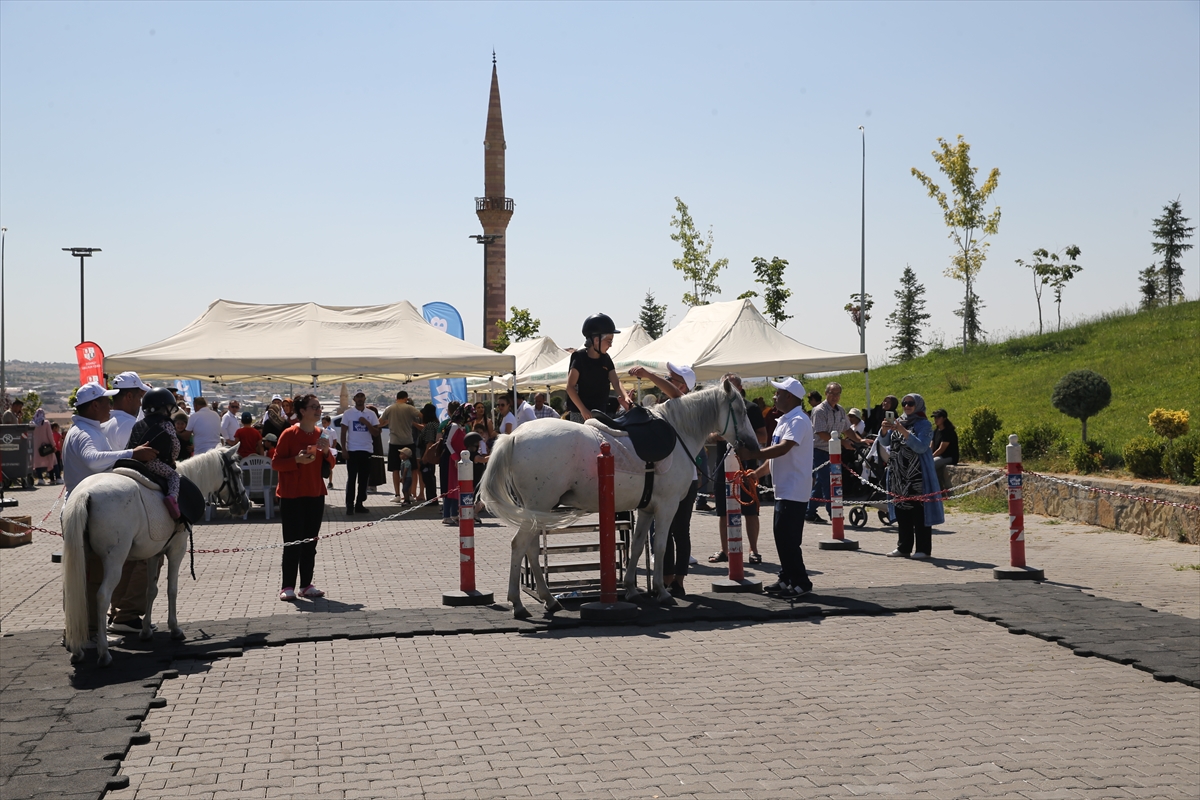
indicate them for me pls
(652, 437)
(191, 499)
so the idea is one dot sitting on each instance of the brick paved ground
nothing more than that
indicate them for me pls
(409, 563)
(918, 705)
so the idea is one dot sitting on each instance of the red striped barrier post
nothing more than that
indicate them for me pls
(1017, 568)
(608, 609)
(467, 594)
(736, 581)
(836, 514)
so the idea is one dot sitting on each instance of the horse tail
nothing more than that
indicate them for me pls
(501, 495)
(74, 565)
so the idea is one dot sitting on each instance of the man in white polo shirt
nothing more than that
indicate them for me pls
(231, 421)
(126, 408)
(358, 425)
(205, 425)
(789, 459)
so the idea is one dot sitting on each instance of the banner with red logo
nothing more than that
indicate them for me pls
(91, 362)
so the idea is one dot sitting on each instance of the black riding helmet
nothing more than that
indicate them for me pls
(158, 401)
(598, 325)
(472, 438)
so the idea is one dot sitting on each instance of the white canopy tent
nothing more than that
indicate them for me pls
(628, 341)
(734, 337)
(531, 355)
(310, 343)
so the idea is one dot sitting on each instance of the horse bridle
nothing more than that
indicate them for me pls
(227, 482)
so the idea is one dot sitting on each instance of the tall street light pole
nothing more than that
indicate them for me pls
(82, 253)
(862, 300)
(485, 239)
(3, 381)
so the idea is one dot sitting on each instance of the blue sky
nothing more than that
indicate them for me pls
(276, 152)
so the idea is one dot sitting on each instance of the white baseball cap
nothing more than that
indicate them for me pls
(90, 391)
(685, 372)
(276, 397)
(791, 386)
(130, 380)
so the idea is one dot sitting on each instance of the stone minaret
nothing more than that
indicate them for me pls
(494, 211)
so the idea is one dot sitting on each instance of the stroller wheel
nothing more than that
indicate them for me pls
(883, 517)
(858, 516)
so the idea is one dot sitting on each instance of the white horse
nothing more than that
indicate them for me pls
(552, 462)
(120, 519)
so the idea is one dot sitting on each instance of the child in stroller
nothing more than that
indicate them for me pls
(870, 464)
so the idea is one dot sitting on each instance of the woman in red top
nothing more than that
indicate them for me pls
(301, 492)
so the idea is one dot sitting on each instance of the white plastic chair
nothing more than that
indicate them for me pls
(260, 481)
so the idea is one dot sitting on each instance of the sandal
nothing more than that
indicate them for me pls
(718, 557)
(755, 558)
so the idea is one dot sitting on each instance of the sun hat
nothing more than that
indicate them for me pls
(854, 412)
(685, 372)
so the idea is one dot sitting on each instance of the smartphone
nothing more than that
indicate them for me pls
(891, 416)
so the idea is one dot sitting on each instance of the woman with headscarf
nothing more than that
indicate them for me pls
(44, 460)
(274, 422)
(911, 474)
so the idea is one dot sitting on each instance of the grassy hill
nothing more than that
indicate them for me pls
(1151, 359)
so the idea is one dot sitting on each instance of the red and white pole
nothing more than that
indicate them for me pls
(737, 580)
(1017, 568)
(609, 609)
(836, 515)
(608, 525)
(733, 518)
(467, 594)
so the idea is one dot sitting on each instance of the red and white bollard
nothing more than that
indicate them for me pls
(1017, 569)
(736, 582)
(467, 594)
(608, 609)
(836, 515)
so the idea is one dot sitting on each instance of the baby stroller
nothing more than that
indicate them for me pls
(870, 465)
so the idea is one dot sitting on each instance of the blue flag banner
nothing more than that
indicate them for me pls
(445, 317)
(190, 391)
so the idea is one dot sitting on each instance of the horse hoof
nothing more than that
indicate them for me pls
(146, 635)
(553, 606)
(177, 635)
(521, 613)
(76, 657)
(666, 600)
(104, 660)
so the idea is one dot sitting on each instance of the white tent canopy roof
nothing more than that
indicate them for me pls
(531, 355)
(734, 337)
(302, 342)
(629, 340)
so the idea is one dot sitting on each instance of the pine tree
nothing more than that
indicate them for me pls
(968, 311)
(653, 317)
(1171, 232)
(908, 320)
(1150, 287)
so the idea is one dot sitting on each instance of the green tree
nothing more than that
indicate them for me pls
(653, 317)
(1050, 269)
(695, 263)
(775, 295)
(968, 222)
(519, 327)
(908, 318)
(1081, 394)
(1171, 232)
(33, 402)
(853, 308)
(1150, 285)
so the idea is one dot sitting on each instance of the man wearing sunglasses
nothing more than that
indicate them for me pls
(827, 417)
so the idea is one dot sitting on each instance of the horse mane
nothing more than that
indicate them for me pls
(204, 469)
(692, 415)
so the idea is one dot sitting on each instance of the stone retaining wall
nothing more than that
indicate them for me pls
(1118, 513)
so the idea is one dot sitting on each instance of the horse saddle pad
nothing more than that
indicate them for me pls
(652, 436)
(191, 499)
(625, 458)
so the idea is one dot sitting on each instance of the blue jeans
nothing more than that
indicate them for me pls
(789, 533)
(820, 480)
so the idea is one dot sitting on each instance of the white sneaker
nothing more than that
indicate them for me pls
(919, 555)
(897, 554)
(692, 560)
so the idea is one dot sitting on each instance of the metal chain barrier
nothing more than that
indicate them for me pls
(1097, 490)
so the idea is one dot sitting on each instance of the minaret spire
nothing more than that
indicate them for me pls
(494, 211)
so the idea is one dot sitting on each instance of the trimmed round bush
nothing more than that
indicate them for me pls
(1169, 424)
(1087, 456)
(980, 431)
(1143, 456)
(1082, 394)
(1181, 459)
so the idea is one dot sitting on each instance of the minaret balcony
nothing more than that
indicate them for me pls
(493, 204)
